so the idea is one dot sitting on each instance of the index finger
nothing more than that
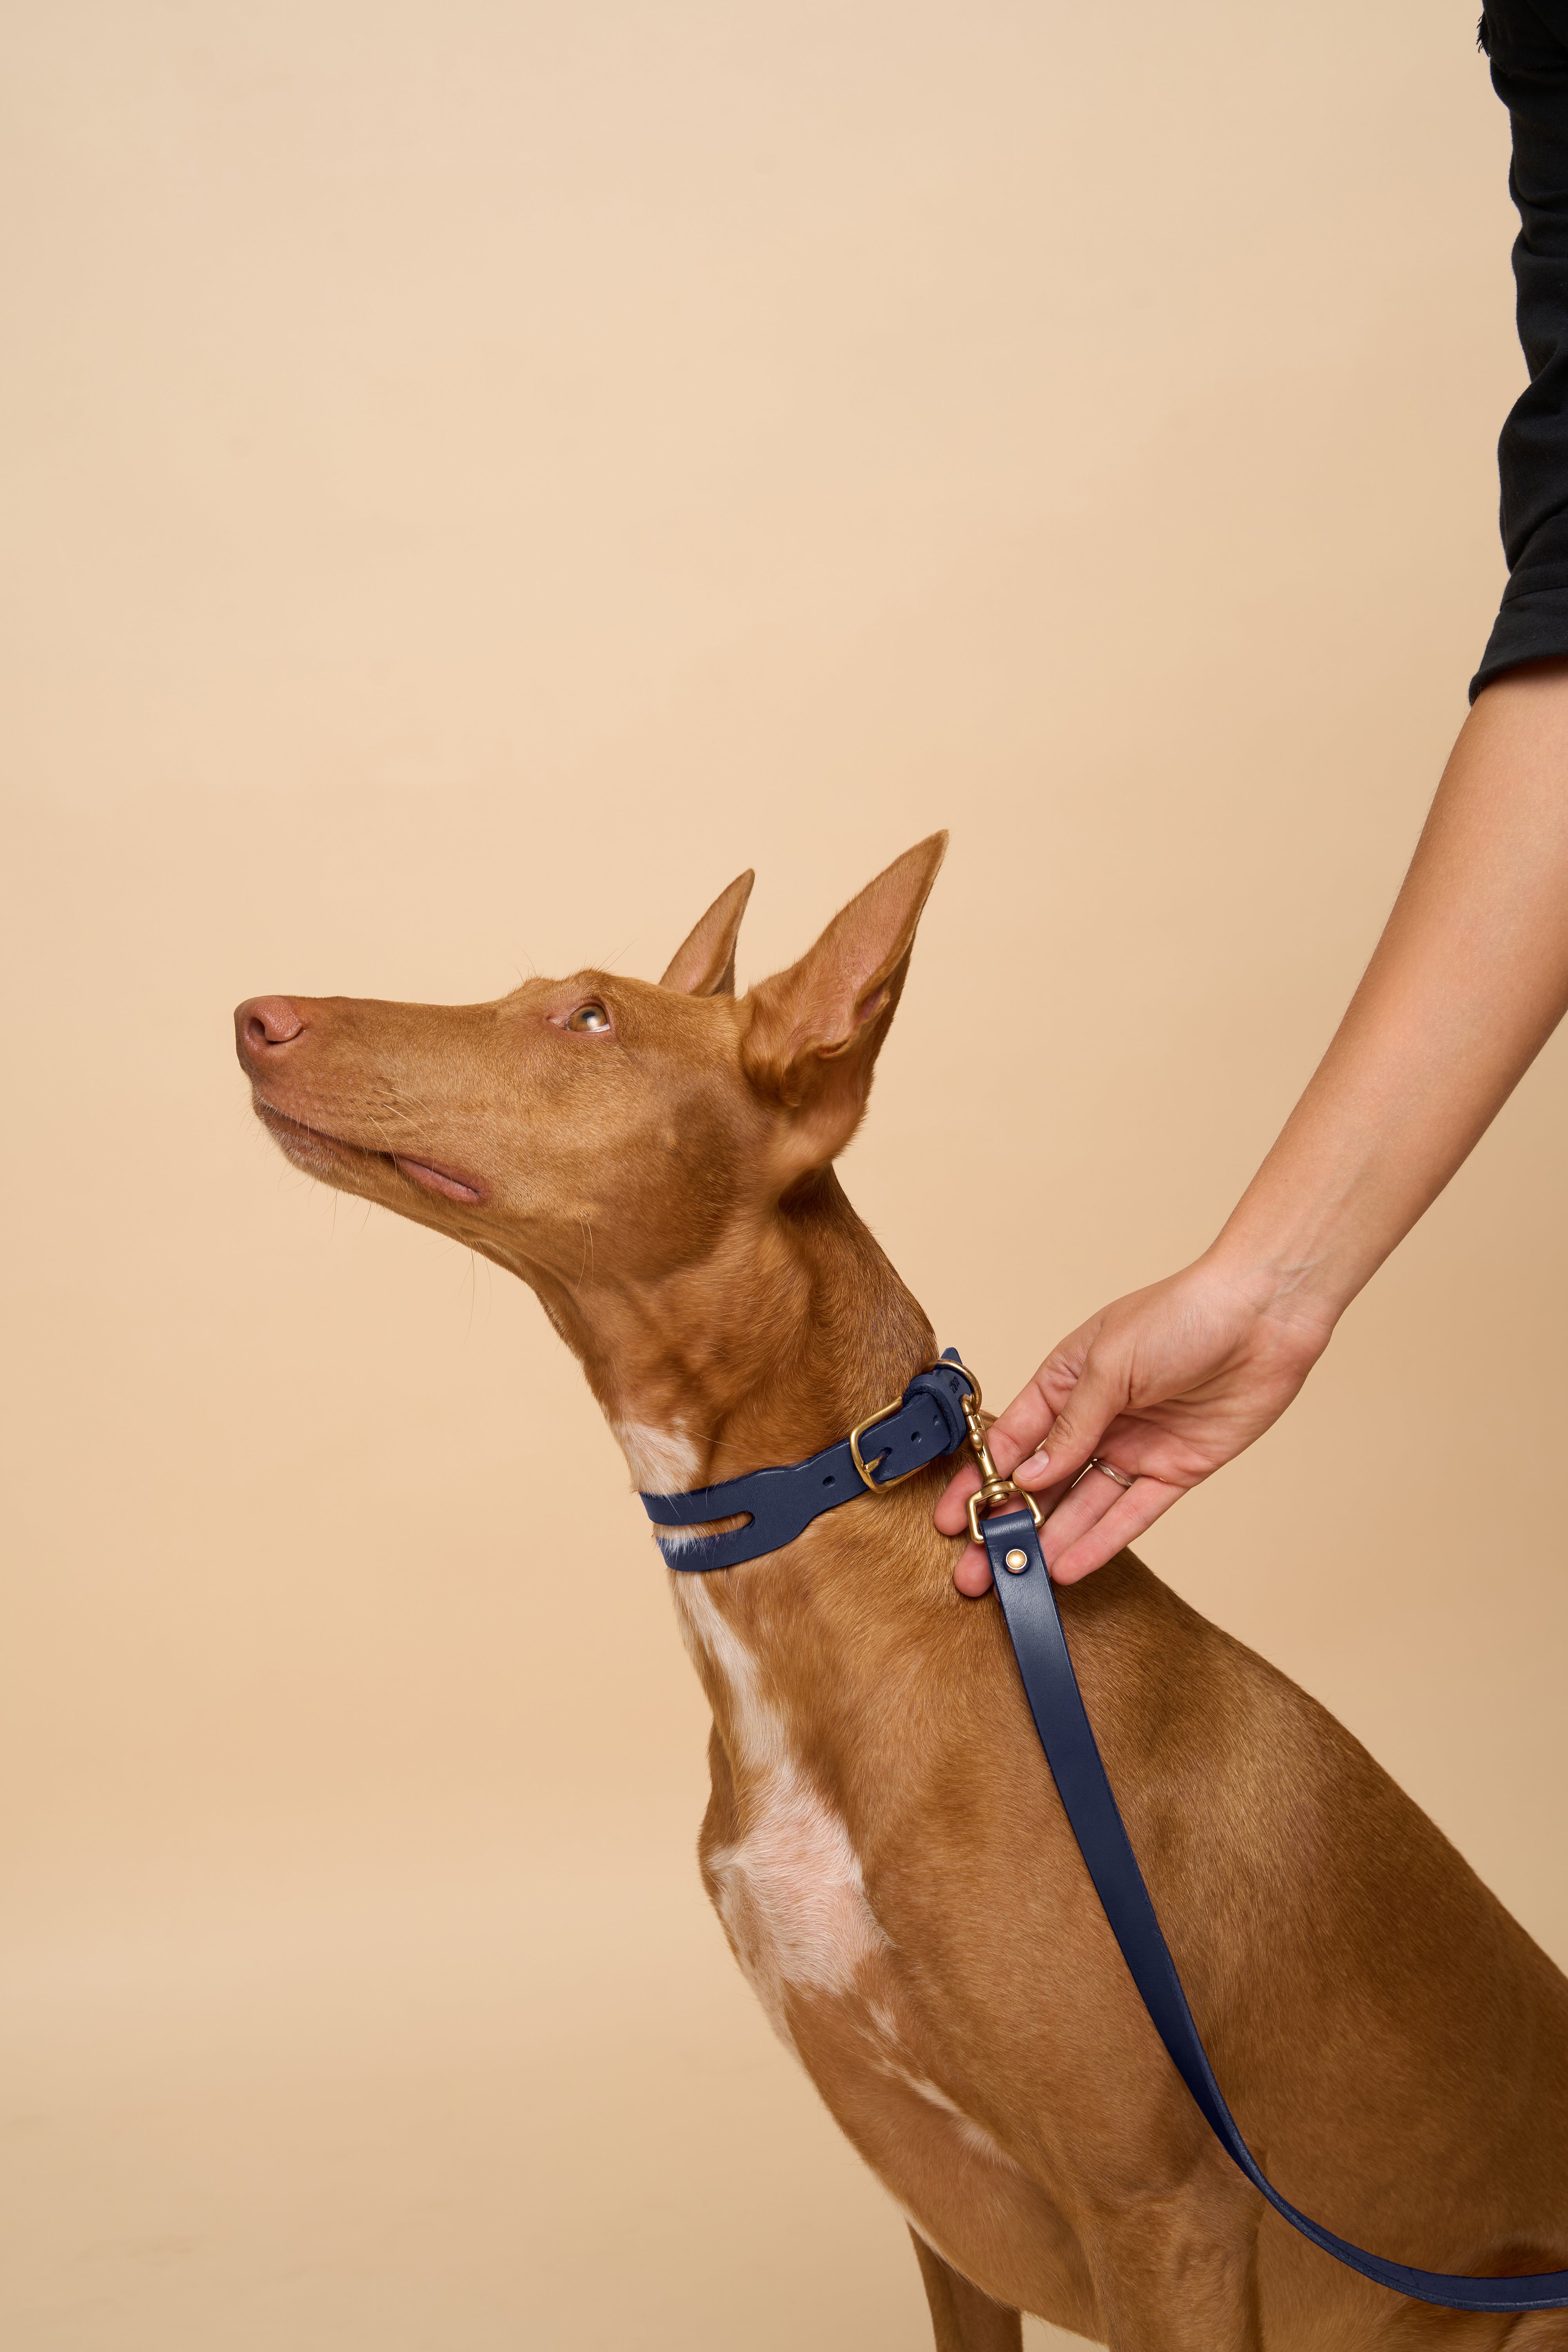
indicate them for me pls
(1021, 1426)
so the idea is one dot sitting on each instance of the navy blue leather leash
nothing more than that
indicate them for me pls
(905, 1440)
(1023, 1587)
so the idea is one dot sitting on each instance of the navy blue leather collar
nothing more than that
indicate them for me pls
(926, 1423)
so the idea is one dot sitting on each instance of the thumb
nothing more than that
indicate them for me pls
(1097, 1396)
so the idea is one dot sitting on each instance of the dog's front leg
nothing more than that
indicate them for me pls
(1180, 2273)
(964, 2319)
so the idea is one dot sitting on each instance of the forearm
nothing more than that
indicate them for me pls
(1467, 982)
(1160, 1389)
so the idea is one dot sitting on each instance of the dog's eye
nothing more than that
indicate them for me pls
(589, 1017)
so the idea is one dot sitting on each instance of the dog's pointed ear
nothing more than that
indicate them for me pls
(816, 1030)
(704, 963)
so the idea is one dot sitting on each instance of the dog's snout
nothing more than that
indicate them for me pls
(264, 1025)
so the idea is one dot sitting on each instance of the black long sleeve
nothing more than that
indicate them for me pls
(1527, 46)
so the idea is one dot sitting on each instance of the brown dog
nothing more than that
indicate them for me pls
(884, 1843)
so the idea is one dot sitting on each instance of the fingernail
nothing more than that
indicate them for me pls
(1033, 1466)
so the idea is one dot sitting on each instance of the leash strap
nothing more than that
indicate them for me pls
(916, 1429)
(1023, 1587)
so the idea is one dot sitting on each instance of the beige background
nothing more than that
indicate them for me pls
(477, 477)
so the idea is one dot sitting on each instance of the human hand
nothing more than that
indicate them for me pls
(1169, 1383)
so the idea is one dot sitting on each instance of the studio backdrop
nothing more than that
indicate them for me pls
(477, 477)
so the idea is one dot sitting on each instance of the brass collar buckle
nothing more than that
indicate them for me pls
(881, 1486)
(878, 1486)
(994, 1490)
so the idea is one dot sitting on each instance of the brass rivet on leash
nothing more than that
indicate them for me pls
(1017, 1560)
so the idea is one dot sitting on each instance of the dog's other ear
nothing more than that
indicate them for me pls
(816, 1030)
(704, 963)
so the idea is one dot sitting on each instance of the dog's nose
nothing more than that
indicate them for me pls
(264, 1025)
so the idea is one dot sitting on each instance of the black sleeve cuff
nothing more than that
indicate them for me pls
(1527, 46)
(1532, 624)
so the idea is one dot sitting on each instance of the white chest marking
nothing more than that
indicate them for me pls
(791, 1890)
(662, 1461)
(974, 2136)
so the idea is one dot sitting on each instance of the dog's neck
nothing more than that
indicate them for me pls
(791, 1329)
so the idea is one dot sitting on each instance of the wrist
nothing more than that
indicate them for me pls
(1281, 1282)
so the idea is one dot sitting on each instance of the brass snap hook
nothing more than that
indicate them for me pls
(995, 1489)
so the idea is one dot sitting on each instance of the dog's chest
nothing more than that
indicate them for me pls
(788, 1882)
(789, 1887)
